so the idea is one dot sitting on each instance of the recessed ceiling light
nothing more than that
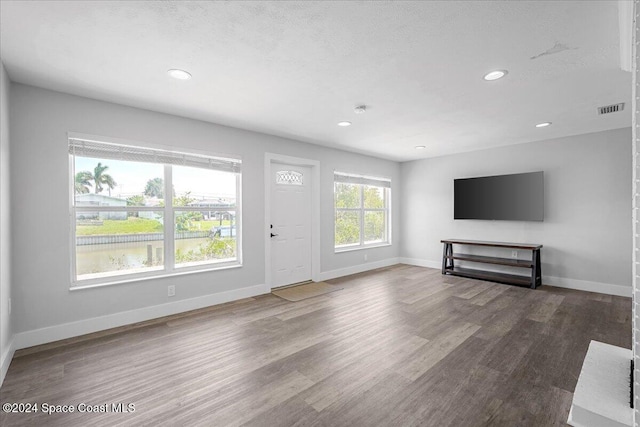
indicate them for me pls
(179, 74)
(420, 147)
(344, 124)
(543, 125)
(495, 75)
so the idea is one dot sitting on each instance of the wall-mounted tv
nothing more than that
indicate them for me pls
(517, 197)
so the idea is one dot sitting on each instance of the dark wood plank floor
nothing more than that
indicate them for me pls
(400, 346)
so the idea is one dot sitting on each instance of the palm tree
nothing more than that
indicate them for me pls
(100, 178)
(83, 182)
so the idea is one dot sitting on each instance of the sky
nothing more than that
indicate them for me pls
(131, 178)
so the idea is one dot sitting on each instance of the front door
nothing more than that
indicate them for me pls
(290, 224)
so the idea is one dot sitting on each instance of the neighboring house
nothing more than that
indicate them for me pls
(91, 199)
(218, 208)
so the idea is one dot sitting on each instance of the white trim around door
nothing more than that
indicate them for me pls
(270, 158)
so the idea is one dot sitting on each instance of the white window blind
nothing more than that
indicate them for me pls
(107, 150)
(361, 179)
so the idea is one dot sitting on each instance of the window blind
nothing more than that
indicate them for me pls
(361, 179)
(107, 150)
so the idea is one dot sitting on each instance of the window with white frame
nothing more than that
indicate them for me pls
(362, 211)
(139, 212)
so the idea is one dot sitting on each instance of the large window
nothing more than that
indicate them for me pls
(140, 212)
(362, 211)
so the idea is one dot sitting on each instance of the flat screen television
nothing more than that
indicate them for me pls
(517, 197)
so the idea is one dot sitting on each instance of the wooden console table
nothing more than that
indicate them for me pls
(532, 280)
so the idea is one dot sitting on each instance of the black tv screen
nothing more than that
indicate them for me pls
(518, 197)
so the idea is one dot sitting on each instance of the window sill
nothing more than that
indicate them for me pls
(359, 248)
(122, 280)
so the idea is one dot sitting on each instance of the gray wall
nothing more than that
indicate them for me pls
(586, 232)
(6, 334)
(40, 120)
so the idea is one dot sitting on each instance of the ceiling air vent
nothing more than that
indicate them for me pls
(611, 108)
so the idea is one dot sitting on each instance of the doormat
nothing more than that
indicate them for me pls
(298, 293)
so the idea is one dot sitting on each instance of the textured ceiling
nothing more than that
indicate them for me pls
(295, 69)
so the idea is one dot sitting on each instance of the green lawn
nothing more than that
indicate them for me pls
(206, 225)
(134, 225)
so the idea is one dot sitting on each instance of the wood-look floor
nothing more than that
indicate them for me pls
(401, 346)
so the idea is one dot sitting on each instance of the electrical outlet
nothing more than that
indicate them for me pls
(514, 254)
(366, 257)
(171, 291)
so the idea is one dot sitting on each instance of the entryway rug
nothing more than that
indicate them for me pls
(300, 292)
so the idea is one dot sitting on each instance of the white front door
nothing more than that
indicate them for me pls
(290, 224)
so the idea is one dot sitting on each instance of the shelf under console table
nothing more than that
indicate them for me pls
(532, 280)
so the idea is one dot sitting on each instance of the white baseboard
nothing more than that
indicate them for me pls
(7, 356)
(332, 274)
(68, 330)
(421, 262)
(87, 326)
(560, 282)
(586, 285)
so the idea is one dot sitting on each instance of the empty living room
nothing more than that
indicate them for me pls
(319, 213)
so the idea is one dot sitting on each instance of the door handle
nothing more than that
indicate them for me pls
(273, 235)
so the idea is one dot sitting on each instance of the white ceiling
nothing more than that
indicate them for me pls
(295, 69)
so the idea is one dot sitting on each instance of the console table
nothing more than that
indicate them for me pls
(532, 280)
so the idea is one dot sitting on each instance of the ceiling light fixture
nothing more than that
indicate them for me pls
(179, 74)
(344, 124)
(495, 75)
(420, 147)
(360, 109)
(543, 125)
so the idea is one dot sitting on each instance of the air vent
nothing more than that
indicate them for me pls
(611, 108)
